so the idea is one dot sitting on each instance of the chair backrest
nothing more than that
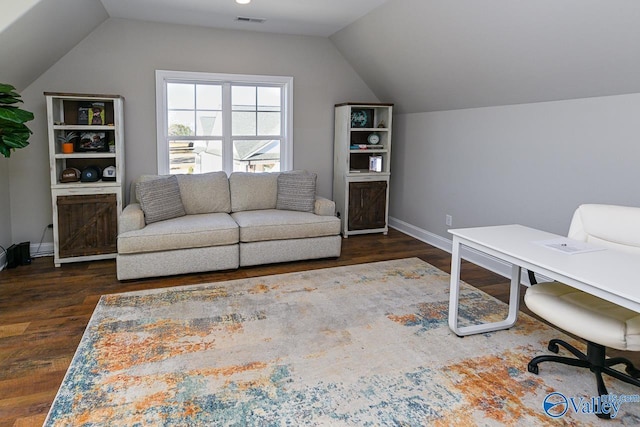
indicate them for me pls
(610, 226)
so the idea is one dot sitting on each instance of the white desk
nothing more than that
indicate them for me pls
(608, 274)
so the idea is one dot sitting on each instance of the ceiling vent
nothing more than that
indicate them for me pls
(252, 20)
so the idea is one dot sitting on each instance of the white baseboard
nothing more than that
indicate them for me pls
(479, 258)
(39, 250)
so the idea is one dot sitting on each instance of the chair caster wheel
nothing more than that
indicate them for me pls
(532, 368)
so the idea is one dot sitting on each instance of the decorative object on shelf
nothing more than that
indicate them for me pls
(97, 114)
(67, 141)
(92, 141)
(373, 138)
(375, 163)
(361, 118)
(381, 125)
(67, 147)
(84, 111)
(91, 174)
(109, 173)
(70, 175)
(14, 133)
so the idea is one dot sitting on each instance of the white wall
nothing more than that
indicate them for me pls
(121, 56)
(531, 164)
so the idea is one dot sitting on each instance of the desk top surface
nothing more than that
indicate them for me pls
(607, 273)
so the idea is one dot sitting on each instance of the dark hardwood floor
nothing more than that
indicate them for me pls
(44, 311)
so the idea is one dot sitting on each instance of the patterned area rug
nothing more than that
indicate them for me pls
(364, 345)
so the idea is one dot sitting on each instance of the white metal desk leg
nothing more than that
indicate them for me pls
(514, 296)
(454, 299)
(454, 286)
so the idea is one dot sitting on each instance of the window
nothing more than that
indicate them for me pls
(212, 122)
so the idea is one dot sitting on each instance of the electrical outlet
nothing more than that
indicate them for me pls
(448, 219)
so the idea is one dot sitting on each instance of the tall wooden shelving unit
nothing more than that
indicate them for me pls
(85, 214)
(361, 170)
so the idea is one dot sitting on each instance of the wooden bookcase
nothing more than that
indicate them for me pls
(361, 170)
(85, 214)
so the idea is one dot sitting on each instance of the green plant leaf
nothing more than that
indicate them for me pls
(6, 88)
(15, 115)
(13, 132)
(4, 150)
(6, 99)
(15, 140)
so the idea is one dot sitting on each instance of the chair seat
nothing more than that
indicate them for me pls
(585, 315)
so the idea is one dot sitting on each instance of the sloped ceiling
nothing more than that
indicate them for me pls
(423, 55)
(38, 37)
(432, 55)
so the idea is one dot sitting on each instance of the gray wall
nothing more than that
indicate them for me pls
(121, 56)
(38, 33)
(5, 211)
(531, 164)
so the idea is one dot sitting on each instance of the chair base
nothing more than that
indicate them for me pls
(595, 360)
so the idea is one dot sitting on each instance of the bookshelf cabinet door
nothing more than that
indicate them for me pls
(87, 224)
(367, 205)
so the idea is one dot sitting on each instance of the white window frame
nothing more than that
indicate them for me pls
(162, 133)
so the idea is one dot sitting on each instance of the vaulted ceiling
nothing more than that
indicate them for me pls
(433, 55)
(423, 55)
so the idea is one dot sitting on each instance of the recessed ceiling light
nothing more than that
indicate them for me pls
(243, 1)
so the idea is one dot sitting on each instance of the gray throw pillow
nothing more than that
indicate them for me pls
(160, 199)
(296, 191)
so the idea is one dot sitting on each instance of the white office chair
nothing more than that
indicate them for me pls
(601, 323)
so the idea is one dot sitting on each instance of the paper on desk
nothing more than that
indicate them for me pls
(569, 246)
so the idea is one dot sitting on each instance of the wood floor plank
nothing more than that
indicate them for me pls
(13, 329)
(44, 310)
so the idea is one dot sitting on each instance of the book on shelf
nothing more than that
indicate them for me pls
(366, 146)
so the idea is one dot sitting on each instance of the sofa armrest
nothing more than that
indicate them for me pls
(131, 218)
(324, 207)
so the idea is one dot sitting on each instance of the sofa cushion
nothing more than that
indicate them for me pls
(274, 224)
(191, 231)
(205, 192)
(160, 199)
(252, 191)
(296, 191)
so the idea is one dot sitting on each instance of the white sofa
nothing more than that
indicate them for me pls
(245, 219)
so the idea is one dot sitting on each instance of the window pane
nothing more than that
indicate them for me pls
(195, 156)
(180, 96)
(243, 123)
(268, 123)
(181, 123)
(269, 98)
(256, 156)
(209, 123)
(209, 97)
(243, 98)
